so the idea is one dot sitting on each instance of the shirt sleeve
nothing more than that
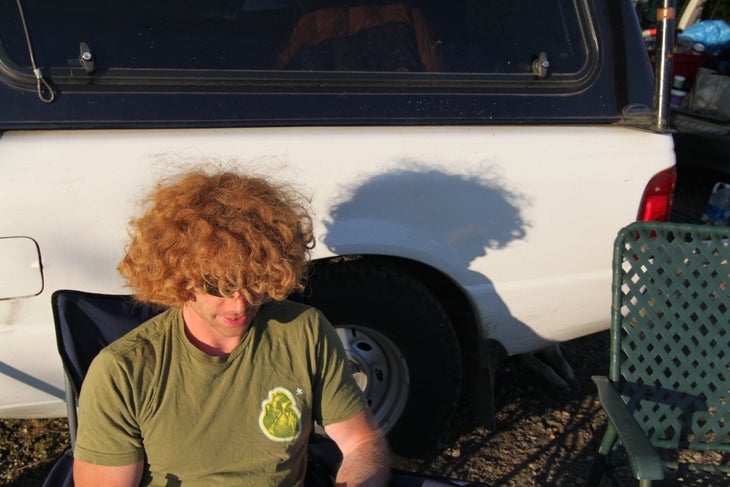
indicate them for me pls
(340, 397)
(108, 432)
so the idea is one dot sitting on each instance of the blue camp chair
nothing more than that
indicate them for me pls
(87, 322)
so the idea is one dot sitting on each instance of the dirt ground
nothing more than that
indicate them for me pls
(545, 436)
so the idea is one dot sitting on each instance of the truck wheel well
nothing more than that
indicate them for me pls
(473, 343)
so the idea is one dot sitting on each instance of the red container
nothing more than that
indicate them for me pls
(687, 64)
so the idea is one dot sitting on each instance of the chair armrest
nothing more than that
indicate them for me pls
(646, 464)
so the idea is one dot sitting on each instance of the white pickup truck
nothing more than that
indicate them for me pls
(469, 164)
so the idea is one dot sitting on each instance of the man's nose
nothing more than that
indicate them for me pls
(238, 302)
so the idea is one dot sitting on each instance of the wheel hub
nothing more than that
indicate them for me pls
(379, 369)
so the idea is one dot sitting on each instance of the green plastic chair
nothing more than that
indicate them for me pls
(669, 379)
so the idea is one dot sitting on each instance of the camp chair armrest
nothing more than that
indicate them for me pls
(646, 464)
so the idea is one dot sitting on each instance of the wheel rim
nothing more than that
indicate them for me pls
(379, 369)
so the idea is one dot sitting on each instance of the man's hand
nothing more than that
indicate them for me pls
(365, 456)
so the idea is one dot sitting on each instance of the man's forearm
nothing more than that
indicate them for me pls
(366, 465)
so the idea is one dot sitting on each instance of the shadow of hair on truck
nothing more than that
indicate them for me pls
(454, 218)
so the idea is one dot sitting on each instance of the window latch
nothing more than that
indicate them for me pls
(540, 65)
(86, 57)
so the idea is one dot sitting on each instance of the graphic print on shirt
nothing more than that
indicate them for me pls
(280, 419)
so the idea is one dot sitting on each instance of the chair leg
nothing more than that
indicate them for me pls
(605, 461)
(609, 440)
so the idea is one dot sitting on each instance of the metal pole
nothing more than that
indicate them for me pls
(666, 20)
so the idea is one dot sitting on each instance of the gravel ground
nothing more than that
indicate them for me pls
(545, 436)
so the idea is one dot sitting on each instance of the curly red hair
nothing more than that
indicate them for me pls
(224, 231)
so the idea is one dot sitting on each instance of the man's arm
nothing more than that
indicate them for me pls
(90, 475)
(365, 457)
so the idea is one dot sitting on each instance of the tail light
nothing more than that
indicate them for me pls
(656, 202)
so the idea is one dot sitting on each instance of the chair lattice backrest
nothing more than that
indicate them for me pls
(670, 335)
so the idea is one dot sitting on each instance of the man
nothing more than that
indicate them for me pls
(222, 388)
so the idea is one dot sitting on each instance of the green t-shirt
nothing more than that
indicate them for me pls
(238, 420)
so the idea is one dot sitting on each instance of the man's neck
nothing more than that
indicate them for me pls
(214, 348)
(207, 339)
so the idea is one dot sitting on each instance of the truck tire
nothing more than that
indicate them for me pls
(401, 344)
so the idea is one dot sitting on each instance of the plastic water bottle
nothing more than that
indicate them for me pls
(718, 207)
